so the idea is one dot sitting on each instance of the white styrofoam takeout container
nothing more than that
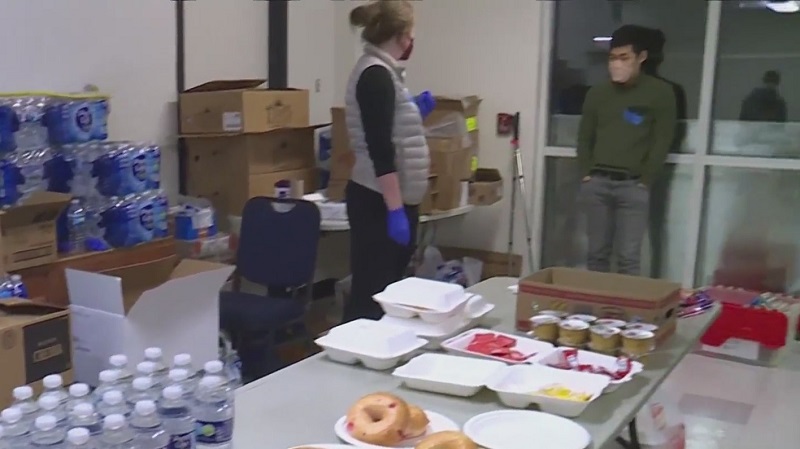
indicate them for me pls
(538, 349)
(592, 358)
(448, 374)
(517, 387)
(376, 345)
(423, 294)
(437, 333)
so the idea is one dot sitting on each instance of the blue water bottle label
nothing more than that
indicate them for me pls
(214, 432)
(182, 441)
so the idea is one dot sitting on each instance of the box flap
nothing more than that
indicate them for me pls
(40, 207)
(464, 105)
(488, 175)
(139, 278)
(192, 284)
(15, 312)
(605, 285)
(292, 128)
(221, 85)
(188, 267)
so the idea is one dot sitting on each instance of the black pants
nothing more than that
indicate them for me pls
(375, 259)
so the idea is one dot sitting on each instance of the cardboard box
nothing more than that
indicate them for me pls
(34, 342)
(467, 107)
(241, 106)
(158, 303)
(277, 150)
(426, 207)
(487, 187)
(494, 264)
(603, 295)
(451, 193)
(28, 231)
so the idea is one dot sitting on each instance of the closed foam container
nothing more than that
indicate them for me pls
(437, 333)
(593, 358)
(448, 374)
(376, 345)
(518, 386)
(414, 296)
(528, 346)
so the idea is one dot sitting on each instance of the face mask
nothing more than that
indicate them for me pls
(407, 54)
(620, 71)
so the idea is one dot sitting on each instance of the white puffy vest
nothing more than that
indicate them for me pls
(411, 149)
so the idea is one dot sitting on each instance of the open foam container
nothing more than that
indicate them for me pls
(437, 333)
(517, 387)
(376, 345)
(448, 374)
(592, 358)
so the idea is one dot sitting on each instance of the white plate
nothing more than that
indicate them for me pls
(323, 446)
(513, 429)
(438, 423)
(447, 374)
(527, 346)
(592, 358)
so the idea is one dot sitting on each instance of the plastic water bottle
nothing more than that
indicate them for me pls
(119, 363)
(116, 433)
(147, 428)
(49, 406)
(3, 444)
(184, 361)
(113, 403)
(214, 414)
(176, 414)
(84, 416)
(18, 289)
(142, 389)
(78, 394)
(156, 356)
(23, 400)
(54, 385)
(47, 433)
(108, 382)
(148, 369)
(76, 226)
(17, 432)
(6, 289)
(180, 377)
(80, 438)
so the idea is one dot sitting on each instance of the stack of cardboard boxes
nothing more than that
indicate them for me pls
(241, 139)
(453, 142)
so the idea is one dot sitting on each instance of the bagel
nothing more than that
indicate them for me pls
(449, 439)
(417, 422)
(379, 418)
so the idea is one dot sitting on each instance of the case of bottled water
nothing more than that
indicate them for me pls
(76, 118)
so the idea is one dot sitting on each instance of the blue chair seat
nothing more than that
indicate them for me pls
(247, 312)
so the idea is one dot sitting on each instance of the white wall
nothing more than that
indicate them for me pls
(128, 50)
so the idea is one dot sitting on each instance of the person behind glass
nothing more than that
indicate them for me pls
(390, 174)
(625, 133)
(764, 103)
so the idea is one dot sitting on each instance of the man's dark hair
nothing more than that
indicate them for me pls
(771, 77)
(634, 35)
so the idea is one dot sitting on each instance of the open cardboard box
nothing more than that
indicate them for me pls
(28, 231)
(34, 343)
(158, 303)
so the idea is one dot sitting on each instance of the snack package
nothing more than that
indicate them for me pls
(660, 423)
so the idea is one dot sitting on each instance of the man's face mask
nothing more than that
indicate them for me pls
(624, 64)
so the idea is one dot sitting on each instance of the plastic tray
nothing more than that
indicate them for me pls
(592, 358)
(538, 349)
(448, 374)
(424, 294)
(374, 344)
(437, 333)
(517, 385)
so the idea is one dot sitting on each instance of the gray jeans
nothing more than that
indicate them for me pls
(616, 219)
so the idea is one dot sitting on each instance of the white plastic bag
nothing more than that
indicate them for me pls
(660, 423)
(432, 259)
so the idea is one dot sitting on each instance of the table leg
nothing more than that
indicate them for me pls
(633, 434)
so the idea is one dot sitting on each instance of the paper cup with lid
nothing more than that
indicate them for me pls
(573, 333)
(545, 327)
(604, 339)
(583, 317)
(556, 313)
(637, 343)
(610, 322)
(642, 327)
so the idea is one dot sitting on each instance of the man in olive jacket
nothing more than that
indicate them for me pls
(626, 131)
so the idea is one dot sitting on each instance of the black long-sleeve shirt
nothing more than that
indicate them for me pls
(375, 95)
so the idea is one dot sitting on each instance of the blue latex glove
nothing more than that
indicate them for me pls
(399, 229)
(426, 103)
